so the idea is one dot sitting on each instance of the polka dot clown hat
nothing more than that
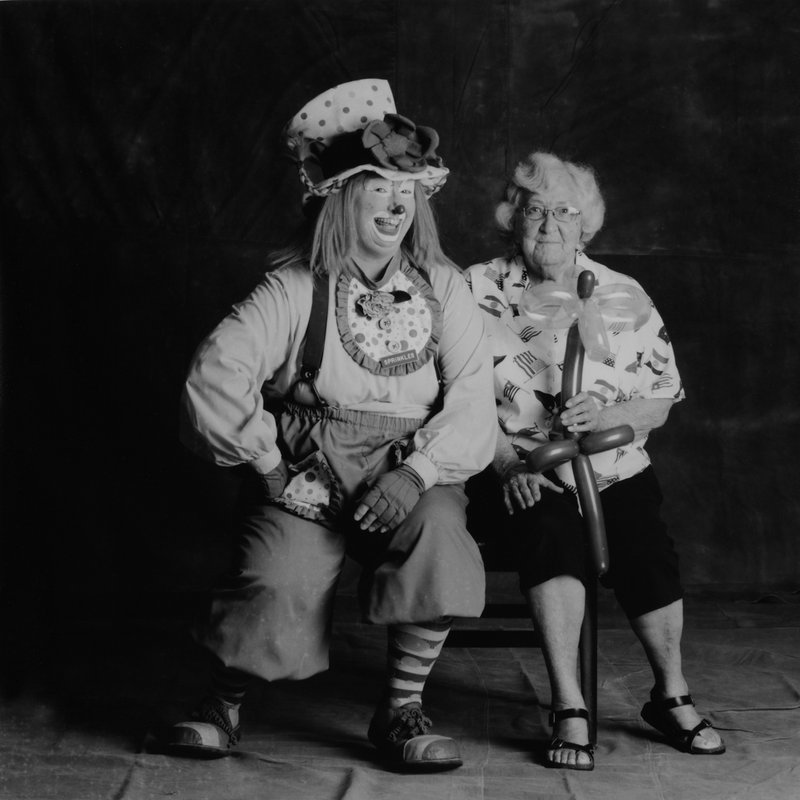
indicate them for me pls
(354, 128)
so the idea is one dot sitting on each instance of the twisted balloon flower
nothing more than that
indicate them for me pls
(588, 316)
(608, 309)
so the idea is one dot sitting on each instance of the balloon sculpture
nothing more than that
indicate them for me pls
(618, 306)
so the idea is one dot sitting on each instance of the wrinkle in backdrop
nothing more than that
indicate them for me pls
(143, 183)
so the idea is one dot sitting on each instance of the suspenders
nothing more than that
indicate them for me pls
(315, 339)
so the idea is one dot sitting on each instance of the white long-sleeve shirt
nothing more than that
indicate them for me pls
(259, 345)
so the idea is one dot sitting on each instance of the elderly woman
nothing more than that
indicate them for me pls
(370, 352)
(552, 209)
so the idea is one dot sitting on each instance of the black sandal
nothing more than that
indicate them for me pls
(656, 713)
(556, 743)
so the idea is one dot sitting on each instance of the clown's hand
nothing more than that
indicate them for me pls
(271, 484)
(389, 500)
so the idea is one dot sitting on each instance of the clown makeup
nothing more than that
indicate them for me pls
(383, 213)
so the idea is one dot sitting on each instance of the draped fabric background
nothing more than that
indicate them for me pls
(143, 182)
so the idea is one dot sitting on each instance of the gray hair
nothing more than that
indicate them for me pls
(536, 171)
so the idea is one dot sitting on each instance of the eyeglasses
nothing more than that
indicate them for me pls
(560, 214)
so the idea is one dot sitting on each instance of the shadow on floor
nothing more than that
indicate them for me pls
(84, 699)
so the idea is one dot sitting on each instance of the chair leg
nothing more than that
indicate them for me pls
(588, 658)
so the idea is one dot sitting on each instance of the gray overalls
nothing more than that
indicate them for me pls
(272, 617)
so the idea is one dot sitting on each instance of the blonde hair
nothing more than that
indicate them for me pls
(537, 171)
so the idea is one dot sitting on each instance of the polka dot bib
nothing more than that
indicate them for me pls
(393, 330)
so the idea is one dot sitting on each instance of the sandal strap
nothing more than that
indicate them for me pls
(556, 743)
(673, 702)
(655, 714)
(568, 713)
(701, 726)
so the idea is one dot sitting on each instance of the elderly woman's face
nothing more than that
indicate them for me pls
(384, 211)
(548, 244)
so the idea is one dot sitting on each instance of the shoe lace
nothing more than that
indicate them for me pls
(213, 711)
(410, 722)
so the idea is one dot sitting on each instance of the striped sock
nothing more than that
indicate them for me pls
(413, 650)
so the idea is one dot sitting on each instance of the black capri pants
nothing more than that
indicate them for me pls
(549, 539)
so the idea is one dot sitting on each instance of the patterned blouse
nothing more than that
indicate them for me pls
(529, 362)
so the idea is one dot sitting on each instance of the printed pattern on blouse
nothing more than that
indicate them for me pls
(529, 362)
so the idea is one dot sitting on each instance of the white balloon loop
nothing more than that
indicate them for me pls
(611, 309)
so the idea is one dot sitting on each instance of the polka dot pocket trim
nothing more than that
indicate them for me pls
(313, 492)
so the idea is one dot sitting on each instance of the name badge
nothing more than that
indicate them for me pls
(405, 357)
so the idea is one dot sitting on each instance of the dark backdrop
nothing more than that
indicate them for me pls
(142, 184)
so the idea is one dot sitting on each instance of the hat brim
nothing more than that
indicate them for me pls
(431, 178)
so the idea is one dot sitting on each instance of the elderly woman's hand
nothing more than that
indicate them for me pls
(582, 414)
(523, 489)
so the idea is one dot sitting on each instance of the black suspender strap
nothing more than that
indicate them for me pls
(314, 346)
(315, 336)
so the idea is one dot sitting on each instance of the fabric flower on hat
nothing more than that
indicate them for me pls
(397, 143)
